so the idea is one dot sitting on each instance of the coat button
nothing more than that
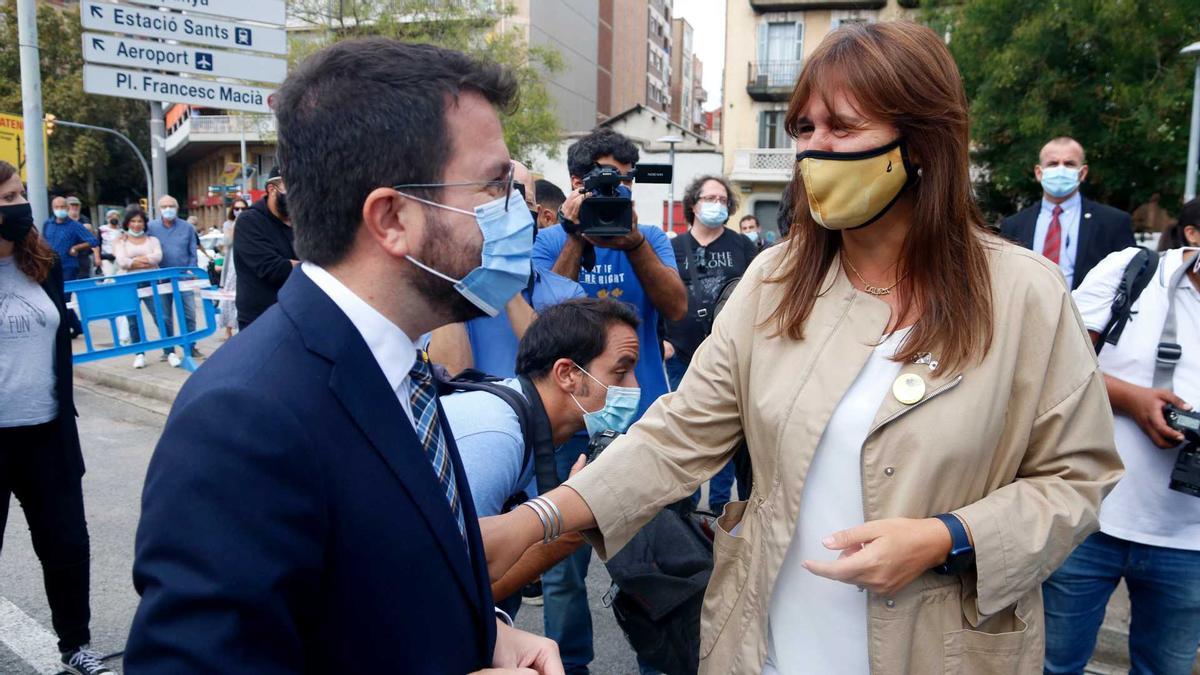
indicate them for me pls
(889, 471)
(891, 604)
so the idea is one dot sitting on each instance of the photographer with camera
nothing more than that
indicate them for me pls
(598, 243)
(1149, 343)
(574, 372)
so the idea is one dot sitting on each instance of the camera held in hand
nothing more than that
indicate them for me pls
(599, 442)
(1185, 477)
(608, 211)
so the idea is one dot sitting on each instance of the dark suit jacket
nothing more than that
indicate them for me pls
(1102, 230)
(291, 522)
(64, 374)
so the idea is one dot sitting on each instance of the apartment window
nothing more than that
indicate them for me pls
(780, 48)
(771, 132)
(848, 16)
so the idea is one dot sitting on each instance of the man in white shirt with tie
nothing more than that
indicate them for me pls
(1065, 227)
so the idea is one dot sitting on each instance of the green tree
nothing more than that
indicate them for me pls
(98, 167)
(480, 28)
(1106, 72)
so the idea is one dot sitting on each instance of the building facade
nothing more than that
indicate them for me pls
(633, 56)
(766, 44)
(683, 71)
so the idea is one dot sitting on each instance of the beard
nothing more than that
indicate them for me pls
(439, 253)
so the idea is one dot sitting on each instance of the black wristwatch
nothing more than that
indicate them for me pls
(962, 553)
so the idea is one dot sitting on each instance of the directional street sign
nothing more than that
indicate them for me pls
(146, 86)
(119, 51)
(146, 22)
(262, 11)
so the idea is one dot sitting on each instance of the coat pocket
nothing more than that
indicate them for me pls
(979, 652)
(730, 571)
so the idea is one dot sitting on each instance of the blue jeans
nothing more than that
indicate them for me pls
(567, 616)
(720, 485)
(1164, 594)
(189, 314)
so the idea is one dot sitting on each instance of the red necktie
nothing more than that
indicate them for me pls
(1053, 236)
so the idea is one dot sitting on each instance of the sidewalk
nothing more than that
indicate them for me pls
(159, 383)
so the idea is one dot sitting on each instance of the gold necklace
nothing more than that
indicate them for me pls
(868, 286)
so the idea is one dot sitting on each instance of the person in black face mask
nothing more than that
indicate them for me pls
(40, 458)
(264, 256)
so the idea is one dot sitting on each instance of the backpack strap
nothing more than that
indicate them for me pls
(474, 380)
(545, 467)
(1169, 350)
(1138, 274)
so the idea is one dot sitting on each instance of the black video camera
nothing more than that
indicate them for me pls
(608, 212)
(1185, 477)
(599, 442)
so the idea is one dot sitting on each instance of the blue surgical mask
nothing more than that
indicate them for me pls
(1060, 181)
(507, 247)
(168, 214)
(620, 407)
(713, 215)
(137, 235)
(753, 236)
(61, 214)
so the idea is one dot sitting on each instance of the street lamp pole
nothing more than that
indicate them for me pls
(1189, 190)
(150, 203)
(671, 141)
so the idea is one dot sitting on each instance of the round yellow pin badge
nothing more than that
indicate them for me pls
(908, 388)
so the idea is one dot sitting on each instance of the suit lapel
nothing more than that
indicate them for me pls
(1029, 225)
(1086, 234)
(360, 385)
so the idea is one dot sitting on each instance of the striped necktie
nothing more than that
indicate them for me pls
(1053, 236)
(429, 431)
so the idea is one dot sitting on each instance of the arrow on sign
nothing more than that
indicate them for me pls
(97, 12)
(97, 43)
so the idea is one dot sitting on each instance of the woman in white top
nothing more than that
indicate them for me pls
(227, 316)
(110, 234)
(138, 252)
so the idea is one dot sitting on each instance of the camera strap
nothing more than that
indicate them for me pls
(1169, 350)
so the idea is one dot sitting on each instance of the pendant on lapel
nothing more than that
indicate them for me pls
(926, 359)
(1087, 215)
(909, 388)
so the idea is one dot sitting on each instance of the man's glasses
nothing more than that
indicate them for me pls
(714, 199)
(496, 188)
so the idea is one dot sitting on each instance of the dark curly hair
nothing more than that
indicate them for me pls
(692, 195)
(583, 153)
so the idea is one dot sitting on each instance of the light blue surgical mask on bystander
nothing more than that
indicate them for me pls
(713, 215)
(620, 407)
(752, 236)
(169, 214)
(61, 214)
(1060, 181)
(507, 247)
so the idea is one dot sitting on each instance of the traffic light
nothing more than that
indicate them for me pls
(49, 123)
(143, 203)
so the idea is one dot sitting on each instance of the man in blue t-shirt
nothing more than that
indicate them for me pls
(637, 269)
(68, 237)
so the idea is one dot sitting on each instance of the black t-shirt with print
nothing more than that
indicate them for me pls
(726, 257)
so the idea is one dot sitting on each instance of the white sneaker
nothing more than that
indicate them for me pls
(139, 361)
(174, 360)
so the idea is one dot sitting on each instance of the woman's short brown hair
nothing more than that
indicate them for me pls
(33, 255)
(901, 73)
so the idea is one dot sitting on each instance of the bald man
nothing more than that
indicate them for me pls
(1072, 231)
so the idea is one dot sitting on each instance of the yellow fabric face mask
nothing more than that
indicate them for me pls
(854, 189)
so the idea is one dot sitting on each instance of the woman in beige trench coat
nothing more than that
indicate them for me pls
(987, 428)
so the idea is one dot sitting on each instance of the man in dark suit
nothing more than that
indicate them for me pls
(323, 523)
(1074, 232)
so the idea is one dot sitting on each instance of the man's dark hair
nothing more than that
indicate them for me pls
(748, 216)
(364, 114)
(692, 195)
(583, 153)
(576, 329)
(548, 195)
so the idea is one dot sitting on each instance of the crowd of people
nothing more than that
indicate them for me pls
(916, 462)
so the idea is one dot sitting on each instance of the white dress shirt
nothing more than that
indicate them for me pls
(1072, 212)
(391, 347)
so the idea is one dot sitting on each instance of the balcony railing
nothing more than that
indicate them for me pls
(764, 164)
(771, 80)
(801, 5)
(233, 124)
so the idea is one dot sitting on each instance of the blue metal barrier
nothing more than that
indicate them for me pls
(110, 298)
